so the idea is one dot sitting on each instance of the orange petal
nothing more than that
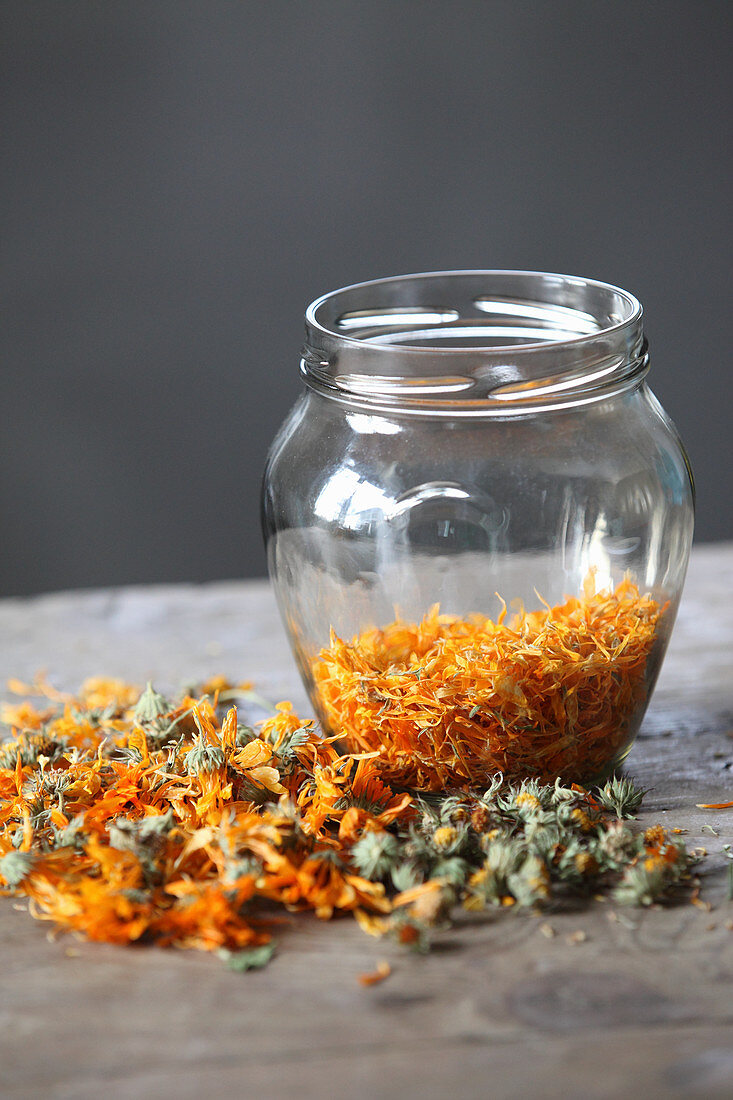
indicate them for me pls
(382, 971)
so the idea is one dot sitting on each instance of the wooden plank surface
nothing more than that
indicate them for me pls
(644, 1005)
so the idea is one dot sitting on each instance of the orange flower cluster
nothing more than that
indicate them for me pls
(168, 824)
(178, 824)
(660, 851)
(449, 701)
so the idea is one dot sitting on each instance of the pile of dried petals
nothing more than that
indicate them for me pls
(132, 819)
(448, 701)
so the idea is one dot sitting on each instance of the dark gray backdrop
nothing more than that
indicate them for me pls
(182, 178)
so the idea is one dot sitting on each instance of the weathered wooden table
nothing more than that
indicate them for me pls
(642, 1006)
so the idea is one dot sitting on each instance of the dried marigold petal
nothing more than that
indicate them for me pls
(382, 971)
(449, 701)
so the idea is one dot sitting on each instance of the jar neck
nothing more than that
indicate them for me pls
(474, 342)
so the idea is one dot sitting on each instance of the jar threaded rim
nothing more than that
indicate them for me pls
(474, 341)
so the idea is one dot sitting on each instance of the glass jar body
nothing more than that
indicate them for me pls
(376, 517)
(478, 521)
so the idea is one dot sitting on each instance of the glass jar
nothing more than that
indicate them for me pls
(478, 520)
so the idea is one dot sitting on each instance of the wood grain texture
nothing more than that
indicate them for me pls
(644, 1005)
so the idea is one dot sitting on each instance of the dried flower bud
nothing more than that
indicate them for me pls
(586, 863)
(528, 802)
(620, 796)
(618, 843)
(15, 866)
(204, 757)
(654, 836)
(480, 818)
(150, 706)
(445, 836)
(374, 854)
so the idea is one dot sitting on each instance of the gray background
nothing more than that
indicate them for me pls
(180, 179)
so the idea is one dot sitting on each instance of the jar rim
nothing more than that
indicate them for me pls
(474, 340)
(392, 287)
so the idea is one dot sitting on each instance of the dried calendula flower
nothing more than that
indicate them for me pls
(449, 700)
(618, 844)
(150, 705)
(445, 836)
(375, 854)
(621, 797)
(126, 817)
(659, 864)
(15, 866)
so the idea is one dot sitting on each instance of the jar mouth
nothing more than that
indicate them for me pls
(478, 341)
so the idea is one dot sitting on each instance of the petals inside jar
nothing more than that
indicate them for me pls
(449, 701)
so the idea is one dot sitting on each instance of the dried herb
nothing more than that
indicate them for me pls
(620, 796)
(250, 958)
(150, 821)
(450, 701)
